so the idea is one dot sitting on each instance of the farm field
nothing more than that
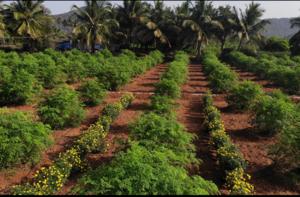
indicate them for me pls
(141, 98)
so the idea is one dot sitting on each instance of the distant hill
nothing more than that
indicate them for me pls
(279, 26)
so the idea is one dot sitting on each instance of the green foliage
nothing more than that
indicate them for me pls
(92, 140)
(276, 44)
(126, 100)
(142, 172)
(50, 74)
(162, 104)
(279, 70)
(221, 78)
(17, 87)
(22, 139)
(154, 131)
(92, 93)
(61, 108)
(168, 88)
(112, 110)
(272, 115)
(48, 180)
(229, 157)
(243, 96)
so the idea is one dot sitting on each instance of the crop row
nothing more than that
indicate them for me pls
(49, 180)
(229, 157)
(287, 77)
(159, 151)
(23, 76)
(273, 114)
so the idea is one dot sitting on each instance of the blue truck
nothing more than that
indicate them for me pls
(67, 45)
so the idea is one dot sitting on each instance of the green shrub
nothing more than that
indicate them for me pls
(105, 121)
(112, 110)
(153, 131)
(230, 158)
(92, 140)
(61, 108)
(243, 96)
(49, 180)
(237, 182)
(17, 87)
(142, 172)
(276, 44)
(271, 114)
(49, 73)
(92, 93)
(22, 139)
(168, 88)
(126, 100)
(162, 105)
(75, 71)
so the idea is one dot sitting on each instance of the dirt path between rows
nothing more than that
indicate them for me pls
(64, 138)
(190, 114)
(267, 86)
(142, 88)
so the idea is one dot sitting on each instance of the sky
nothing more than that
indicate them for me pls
(273, 9)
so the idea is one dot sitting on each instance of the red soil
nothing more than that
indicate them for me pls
(64, 138)
(191, 116)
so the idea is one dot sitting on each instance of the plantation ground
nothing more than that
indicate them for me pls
(142, 87)
(189, 113)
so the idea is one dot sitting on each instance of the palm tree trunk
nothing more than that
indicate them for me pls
(223, 42)
(240, 44)
(199, 51)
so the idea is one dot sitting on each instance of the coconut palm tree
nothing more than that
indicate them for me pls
(26, 19)
(199, 24)
(249, 25)
(225, 16)
(94, 22)
(150, 28)
(130, 15)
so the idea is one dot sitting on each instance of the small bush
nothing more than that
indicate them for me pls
(230, 158)
(162, 105)
(49, 180)
(243, 96)
(22, 139)
(92, 140)
(276, 44)
(145, 172)
(271, 114)
(237, 182)
(168, 88)
(92, 93)
(152, 130)
(61, 108)
(126, 100)
(112, 110)
(17, 87)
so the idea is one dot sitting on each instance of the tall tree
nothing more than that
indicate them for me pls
(249, 25)
(129, 16)
(225, 16)
(27, 19)
(94, 22)
(199, 24)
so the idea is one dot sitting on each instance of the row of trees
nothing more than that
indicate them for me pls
(136, 23)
